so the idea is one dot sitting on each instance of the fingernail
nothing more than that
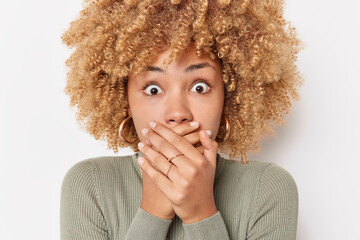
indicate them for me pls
(140, 145)
(152, 124)
(208, 132)
(144, 131)
(140, 160)
(194, 124)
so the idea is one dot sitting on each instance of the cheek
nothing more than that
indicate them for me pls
(142, 113)
(208, 112)
(137, 104)
(143, 107)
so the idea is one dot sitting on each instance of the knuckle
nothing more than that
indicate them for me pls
(157, 161)
(186, 184)
(179, 198)
(193, 172)
(202, 165)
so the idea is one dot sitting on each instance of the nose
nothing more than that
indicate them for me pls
(177, 110)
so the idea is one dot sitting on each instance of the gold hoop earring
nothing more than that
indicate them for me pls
(227, 132)
(121, 129)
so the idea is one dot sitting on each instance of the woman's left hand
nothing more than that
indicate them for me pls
(190, 181)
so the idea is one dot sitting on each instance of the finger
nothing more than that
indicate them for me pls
(185, 128)
(170, 143)
(156, 158)
(163, 183)
(164, 146)
(200, 149)
(210, 147)
(193, 137)
(149, 143)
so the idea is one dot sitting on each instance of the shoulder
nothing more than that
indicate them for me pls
(275, 204)
(260, 174)
(87, 170)
(262, 181)
(100, 163)
(278, 180)
(268, 194)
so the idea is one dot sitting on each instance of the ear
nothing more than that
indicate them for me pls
(129, 111)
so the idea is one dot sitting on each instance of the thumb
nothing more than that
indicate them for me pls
(210, 147)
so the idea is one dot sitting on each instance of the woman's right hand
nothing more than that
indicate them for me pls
(153, 200)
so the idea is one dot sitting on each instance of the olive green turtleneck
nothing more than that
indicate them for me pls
(101, 197)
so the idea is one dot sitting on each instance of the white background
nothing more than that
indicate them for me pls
(40, 139)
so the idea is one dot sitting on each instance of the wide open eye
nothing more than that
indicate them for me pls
(152, 89)
(201, 87)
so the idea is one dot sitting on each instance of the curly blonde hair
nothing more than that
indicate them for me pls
(256, 47)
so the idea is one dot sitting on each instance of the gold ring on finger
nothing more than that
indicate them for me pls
(167, 174)
(170, 159)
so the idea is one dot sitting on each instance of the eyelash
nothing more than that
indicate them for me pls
(198, 81)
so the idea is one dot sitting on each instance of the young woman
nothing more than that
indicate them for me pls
(180, 82)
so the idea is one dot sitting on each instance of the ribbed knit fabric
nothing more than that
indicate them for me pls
(101, 197)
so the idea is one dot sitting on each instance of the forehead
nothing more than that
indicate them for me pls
(187, 58)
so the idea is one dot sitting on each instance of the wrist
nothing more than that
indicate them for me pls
(201, 216)
(156, 213)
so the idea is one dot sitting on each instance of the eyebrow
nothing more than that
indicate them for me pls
(190, 68)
